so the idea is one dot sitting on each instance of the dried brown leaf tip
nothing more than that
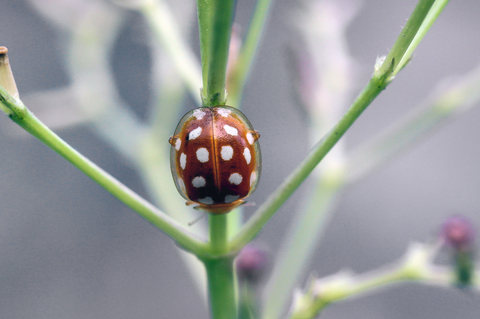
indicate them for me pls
(7, 81)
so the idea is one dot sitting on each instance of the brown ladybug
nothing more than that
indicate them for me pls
(215, 158)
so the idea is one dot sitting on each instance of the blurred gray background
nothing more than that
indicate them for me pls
(68, 249)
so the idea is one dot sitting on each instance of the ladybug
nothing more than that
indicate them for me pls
(215, 158)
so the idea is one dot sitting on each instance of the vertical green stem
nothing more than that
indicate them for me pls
(220, 271)
(215, 19)
(205, 12)
(218, 232)
(222, 287)
(234, 221)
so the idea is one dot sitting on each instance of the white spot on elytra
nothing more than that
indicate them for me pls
(202, 155)
(198, 182)
(253, 178)
(178, 143)
(235, 178)
(207, 200)
(183, 160)
(195, 133)
(182, 185)
(199, 114)
(250, 138)
(230, 130)
(231, 198)
(224, 112)
(226, 153)
(247, 155)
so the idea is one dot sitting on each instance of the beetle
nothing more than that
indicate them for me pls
(215, 158)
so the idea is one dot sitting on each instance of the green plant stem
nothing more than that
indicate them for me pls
(222, 287)
(449, 101)
(234, 221)
(205, 13)
(406, 36)
(215, 19)
(288, 268)
(415, 266)
(293, 181)
(431, 17)
(312, 307)
(218, 231)
(248, 52)
(299, 246)
(172, 228)
(383, 75)
(10, 105)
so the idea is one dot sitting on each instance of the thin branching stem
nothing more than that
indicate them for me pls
(406, 37)
(430, 18)
(296, 178)
(34, 126)
(416, 266)
(446, 103)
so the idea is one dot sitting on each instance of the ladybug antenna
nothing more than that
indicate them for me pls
(193, 222)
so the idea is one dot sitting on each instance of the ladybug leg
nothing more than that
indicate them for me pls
(173, 139)
(249, 204)
(255, 135)
(197, 219)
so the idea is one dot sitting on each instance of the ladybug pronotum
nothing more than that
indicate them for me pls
(215, 158)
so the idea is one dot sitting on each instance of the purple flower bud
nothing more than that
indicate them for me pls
(458, 232)
(251, 263)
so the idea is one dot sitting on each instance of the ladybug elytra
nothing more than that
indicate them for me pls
(215, 158)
